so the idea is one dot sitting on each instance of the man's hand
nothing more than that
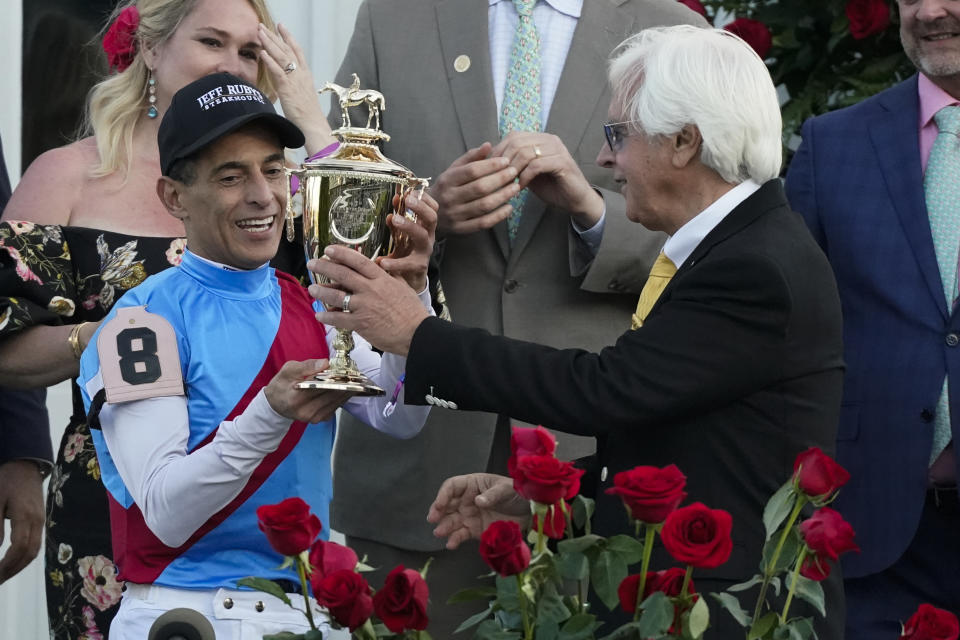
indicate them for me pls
(552, 174)
(466, 505)
(383, 309)
(303, 405)
(474, 192)
(21, 502)
(411, 255)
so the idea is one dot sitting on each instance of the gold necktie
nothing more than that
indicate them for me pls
(660, 274)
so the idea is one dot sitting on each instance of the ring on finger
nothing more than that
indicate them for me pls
(291, 67)
(346, 304)
(536, 152)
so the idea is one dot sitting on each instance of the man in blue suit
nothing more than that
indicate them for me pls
(876, 185)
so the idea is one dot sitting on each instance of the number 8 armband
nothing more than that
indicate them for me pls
(139, 356)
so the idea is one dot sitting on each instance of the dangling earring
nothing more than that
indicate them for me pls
(152, 97)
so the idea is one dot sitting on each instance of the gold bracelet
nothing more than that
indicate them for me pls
(74, 340)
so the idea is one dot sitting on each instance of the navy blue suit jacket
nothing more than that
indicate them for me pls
(857, 180)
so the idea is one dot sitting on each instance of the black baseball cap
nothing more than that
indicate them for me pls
(209, 108)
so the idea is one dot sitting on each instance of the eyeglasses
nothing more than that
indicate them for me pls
(616, 133)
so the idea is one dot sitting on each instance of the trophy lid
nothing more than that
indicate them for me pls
(358, 150)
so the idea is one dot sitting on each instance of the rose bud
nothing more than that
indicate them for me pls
(503, 548)
(669, 581)
(555, 524)
(545, 479)
(698, 536)
(529, 442)
(649, 493)
(827, 534)
(931, 623)
(347, 596)
(817, 474)
(402, 602)
(289, 526)
(327, 557)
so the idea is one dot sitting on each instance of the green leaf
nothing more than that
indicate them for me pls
(629, 631)
(732, 605)
(628, 548)
(583, 509)
(743, 586)
(579, 627)
(788, 554)
(573, 566)
(607, 571)
(423, 635)
(474, 593)
(475, 619)
(490, 630)
(812, 592)
(313, 634)
(508, 595)
(763, 626)
(699, 618)
(657, 615)
(580, 544)
(266, 586)
(547, 630)
(550, 606)
(800, 629)
(778, 507)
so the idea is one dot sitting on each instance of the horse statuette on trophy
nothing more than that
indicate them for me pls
(345, 200)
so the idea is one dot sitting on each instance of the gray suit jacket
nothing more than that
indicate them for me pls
(536, 291)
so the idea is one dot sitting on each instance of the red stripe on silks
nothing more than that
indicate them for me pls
(139, 554)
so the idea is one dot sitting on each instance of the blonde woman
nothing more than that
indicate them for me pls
(85, 224)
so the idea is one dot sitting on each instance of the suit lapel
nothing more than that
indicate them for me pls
(894, 136)
(583, 84)
(463, 31)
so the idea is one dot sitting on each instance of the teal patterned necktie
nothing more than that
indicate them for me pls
(520, 110)
(941, 185)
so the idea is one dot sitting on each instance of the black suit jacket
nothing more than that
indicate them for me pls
(737, 369)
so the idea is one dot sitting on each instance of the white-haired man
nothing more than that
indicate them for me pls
(729, 371)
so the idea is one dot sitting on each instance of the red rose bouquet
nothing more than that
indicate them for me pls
(332, 573)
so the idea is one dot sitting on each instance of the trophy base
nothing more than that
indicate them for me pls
(355, 383)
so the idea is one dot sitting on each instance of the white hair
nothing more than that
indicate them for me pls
(666, 78)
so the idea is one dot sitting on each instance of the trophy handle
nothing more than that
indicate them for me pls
(288, 219)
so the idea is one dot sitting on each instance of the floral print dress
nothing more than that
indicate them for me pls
(56, 275)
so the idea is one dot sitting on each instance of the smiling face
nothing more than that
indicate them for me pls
(233, 207)
(641, 166)
(218, 35)
(930, 33)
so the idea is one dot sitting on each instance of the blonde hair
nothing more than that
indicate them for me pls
(116, 103)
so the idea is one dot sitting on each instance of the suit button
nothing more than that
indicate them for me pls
(952, 340)
(511, 285)
(603, 474)
(926, 415)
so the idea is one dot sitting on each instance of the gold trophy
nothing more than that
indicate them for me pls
(345, 199)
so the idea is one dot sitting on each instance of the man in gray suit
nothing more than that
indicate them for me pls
(568, 277)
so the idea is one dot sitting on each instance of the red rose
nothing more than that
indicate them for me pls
(817, 474)
(754, 33)
(815, 568)
(698, 536)
(327, 557)
(695, 5)
(867, 17)
(554, 525)
(530, 442)
(545, 479)
(289, 525)
(649, 493)
(347, 595)
(827, 534)
(669, 581)
(402, 602)
(119, 41)
(503, 548)
(930, 623)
